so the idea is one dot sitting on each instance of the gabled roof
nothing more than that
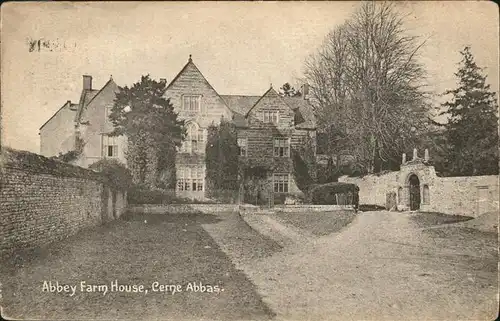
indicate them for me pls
(71, 107)
(88, 96)
(85, 97)
(241, 105)
(190, 63)
(269, 91)
(303, 109)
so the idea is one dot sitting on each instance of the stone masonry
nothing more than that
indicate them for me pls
(42, 200)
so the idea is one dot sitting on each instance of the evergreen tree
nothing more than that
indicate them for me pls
(472, 128)
(288, 90)
(147, 118)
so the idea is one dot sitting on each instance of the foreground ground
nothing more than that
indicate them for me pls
(170, 249)
(310, 266)
(382, 266)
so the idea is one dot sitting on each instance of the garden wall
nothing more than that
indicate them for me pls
(466, 195)
(183, 208)
(43, 200)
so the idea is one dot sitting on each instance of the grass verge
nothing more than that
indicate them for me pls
(317, 223)
(427, 219)
(141, 249)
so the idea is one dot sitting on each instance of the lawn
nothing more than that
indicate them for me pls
(427, 219)
(142, 249)
(317, 223)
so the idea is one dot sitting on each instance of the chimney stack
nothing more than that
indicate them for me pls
(87, 82)
(426, 155)
(305, 91)
(415, 155)
(403, 159)
(163, 80)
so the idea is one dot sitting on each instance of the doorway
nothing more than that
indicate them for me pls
(414, 192)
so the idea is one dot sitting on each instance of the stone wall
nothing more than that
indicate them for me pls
(183, 208)
(467, 195)
(43, 200)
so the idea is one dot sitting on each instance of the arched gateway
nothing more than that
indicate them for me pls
(414, 184)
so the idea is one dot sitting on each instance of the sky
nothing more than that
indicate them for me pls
(241, 48)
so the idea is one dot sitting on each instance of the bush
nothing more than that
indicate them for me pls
(334, 194)
(224, 196)
(289, 198)
(143, 195)
(115, 172)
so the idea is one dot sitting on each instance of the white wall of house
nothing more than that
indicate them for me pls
(57, 135)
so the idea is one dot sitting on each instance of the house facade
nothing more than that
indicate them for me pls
(269, 128)
(84, 126)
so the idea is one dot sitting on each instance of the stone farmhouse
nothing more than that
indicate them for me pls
(269, 127)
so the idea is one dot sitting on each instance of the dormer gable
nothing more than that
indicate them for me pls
(270, 110)
(194, 98)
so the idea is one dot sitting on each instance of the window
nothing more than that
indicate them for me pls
(107, 111)
(280, 183)
(281, 147)
(425, 195)
(270, 116)
(190, 178)
(242, 144)
(195, 140)
(191, 103)
(400, 195)
(110, 146)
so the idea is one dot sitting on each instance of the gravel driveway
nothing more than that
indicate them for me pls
(381, 267)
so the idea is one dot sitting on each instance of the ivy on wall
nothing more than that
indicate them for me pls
(304, 164)
(71, 155)
(221, 157)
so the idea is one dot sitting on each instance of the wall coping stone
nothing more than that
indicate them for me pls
(210, 208)
(38, 164)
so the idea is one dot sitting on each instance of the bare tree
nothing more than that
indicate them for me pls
(366, 84)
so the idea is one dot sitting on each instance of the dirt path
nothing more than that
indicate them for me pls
(382, 267)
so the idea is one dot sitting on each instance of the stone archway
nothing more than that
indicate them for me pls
(414, 184)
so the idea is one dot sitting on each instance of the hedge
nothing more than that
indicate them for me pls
(334, 194)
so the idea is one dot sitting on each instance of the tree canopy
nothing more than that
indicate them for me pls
(472, 128)
(288, 90)
(147, 118)
(366, 85)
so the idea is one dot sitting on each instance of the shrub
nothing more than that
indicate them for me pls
(224, 196)
(143, 194)
(115, 172)
(289, 198)
(139, 194)
(333, 194)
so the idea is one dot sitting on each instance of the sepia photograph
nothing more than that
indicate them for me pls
(281, 160)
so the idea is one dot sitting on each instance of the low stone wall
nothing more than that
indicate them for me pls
(305, 208)
(373, 188)
(218, 208)
(467, 195)
(43, 200)
(183, 208)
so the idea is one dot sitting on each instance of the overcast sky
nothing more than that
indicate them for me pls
(240, 47)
